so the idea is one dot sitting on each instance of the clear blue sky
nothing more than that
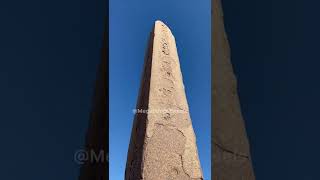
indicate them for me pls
(130, 25)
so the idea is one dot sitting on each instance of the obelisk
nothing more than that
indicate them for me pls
(163, 143)
(231, 153)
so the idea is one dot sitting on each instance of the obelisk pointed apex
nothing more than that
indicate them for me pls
(159, 21)
(160, 25)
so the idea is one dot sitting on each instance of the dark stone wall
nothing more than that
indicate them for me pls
(231, 153)
(97, 136)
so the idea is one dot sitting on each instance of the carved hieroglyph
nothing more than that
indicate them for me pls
(163, 143)
(231, 154)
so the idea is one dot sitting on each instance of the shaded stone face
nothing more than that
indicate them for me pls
(231, 154)
(97, 136)
(163, 143)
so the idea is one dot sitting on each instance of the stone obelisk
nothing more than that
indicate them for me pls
(163, 143)
(231, 153)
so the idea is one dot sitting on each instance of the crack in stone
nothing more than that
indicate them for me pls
(170, 126)
(230, 151)
(181, 157)
(181, 132)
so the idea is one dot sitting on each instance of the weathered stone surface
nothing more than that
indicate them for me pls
(231, 153)
(163, 143)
